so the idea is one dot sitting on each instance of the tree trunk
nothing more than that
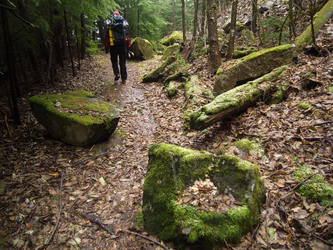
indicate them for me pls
(183, 20)
(174, 15)
(319, 21)
(214, 53)
(83, 37)
(231, 43)
(10, 62)
(69, 44)
(203, 20)
(195, 21)
(291, 20)
(254, 27)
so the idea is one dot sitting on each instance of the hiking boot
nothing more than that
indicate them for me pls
(123, 81)
(116, 78)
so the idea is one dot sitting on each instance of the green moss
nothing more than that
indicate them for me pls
(212, 228)
(255, 55)
(315, 188)
(76, 105)
(304, 105)
(171, 169)
(175, 37)
(246, 145)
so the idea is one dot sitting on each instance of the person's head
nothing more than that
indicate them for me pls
(116, 13)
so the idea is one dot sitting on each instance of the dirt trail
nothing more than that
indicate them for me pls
(136, 117)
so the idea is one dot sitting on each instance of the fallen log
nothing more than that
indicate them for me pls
(235, 100)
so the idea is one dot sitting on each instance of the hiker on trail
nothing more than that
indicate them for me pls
(117, 40)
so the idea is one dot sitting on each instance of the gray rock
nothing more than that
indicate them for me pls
(76, 118)
(142, 49)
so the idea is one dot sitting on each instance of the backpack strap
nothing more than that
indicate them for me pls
(111, 36)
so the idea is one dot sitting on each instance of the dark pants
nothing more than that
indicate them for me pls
(121, 51)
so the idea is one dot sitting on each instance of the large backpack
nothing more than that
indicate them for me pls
(118, 32)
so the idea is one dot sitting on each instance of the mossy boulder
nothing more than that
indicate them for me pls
(169, 50)
(77, 118)
(175, 37)
(315, 188)
(253, 66)
(142, 49)
(172, 171)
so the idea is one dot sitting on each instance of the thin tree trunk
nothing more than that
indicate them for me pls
(231, 43)
(254, 27)
(138, 31)
(69, 44)
(83, 37)
(196, 6)
(203, 20)
(174, 15)
(10, 62)
(183, 20)
(214, 53)
(78, 49)
(291, 20)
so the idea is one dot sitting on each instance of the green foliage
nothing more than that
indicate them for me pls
(93, 47)
(272, 27)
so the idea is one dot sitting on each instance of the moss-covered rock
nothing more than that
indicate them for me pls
(169, 50)
(244, 51)
(253, 66)
(172, 169)
(175, 37)
(171, 89)
(76, 118)
(315, 188)
(142, 49)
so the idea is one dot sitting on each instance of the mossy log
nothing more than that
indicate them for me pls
(320, 19)
(156, 74)
(235, 100)
(178, 76)
(192, 93)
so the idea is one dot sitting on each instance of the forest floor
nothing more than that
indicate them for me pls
(68, 197)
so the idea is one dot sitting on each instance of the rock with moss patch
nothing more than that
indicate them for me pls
(142, 49)
(175, 37)
(169, 50)
(76, 118)
(236, 189)
(315, 188)
(253, 66)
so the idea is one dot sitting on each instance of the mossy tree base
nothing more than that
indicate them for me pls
(171, 169)
(76, 118)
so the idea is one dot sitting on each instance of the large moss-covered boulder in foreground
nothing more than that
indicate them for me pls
(142, 49)
(197, 197)
(253, 66)
(76, 118)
